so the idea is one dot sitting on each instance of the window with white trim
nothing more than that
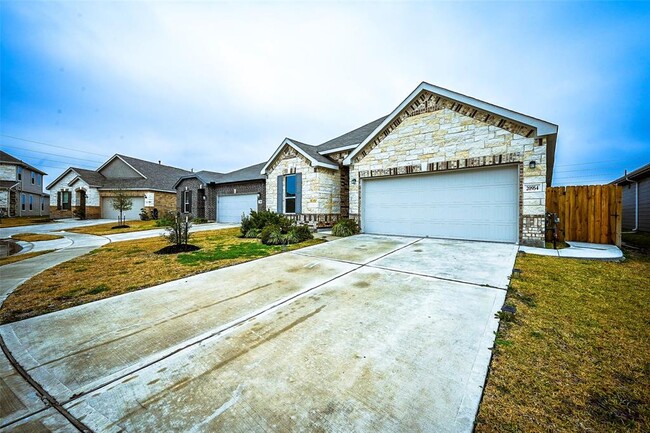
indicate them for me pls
(33, 178)
(22, 201)
(31, 202)
(19, 172)
(187, 201)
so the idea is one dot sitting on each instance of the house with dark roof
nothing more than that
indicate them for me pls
(21, 188)
(91, 192)
(222, 197)
(636, 199)
(440, 164)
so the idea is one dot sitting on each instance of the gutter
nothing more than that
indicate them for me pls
(636, 203)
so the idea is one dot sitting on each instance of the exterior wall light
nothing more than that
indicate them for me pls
(532, 165)
(354, 182)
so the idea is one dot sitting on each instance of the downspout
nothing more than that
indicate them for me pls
(636, 203)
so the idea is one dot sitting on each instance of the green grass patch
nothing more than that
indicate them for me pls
(576, 357)
(250, 250)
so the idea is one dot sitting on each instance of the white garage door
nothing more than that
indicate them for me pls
(133, 214)
(478, 204)
(231, 207)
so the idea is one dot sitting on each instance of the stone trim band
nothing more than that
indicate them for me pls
(481, 161)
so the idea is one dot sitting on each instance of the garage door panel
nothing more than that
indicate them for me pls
(469, 204)
(231, 207)
(133, 214)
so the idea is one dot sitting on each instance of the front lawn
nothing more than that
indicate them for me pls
(35, 237)
(576, 357)
(107, 229)
(24, 221)
(122, 267)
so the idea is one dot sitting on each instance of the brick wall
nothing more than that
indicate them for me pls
(211, 192)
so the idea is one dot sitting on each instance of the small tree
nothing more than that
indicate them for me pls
(122, 202)
(179, 232)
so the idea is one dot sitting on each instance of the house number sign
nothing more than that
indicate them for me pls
(533, 187)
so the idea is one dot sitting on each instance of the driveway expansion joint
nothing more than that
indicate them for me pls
(42, 393)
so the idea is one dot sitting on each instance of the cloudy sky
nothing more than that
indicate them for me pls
(217, 86)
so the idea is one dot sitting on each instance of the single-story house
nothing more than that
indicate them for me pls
(150, 185)
(21, 188)
(636, 199)
(441, 164)
(222, 197)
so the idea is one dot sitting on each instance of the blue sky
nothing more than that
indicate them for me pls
(217, 86)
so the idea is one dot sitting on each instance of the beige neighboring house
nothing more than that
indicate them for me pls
(21, 188)
(440, 164)
(150, 185)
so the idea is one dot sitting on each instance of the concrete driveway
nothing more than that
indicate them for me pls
(369, 333)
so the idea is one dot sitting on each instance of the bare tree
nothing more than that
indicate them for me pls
(179, 233)
(122, 202)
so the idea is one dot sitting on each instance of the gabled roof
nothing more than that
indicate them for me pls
(92, 178)
(308, 151)
(541, 127)
(245, 174)
(155, 176)
(349, 139)
(638, 174)
(8, 159)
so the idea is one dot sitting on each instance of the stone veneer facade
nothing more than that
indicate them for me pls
(437, 138)
(321, 187)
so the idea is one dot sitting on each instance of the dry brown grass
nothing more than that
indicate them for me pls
(123, 267)
(24, 221)
(106, 229)
(35, 237)
(20, 257)
(577, 355)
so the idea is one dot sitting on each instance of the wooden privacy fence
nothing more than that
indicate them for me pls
(587, 213)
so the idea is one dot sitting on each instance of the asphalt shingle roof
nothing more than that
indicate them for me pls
(353, 137)
(158, 176)
(639, 173)
(5, 157)
(91, 177)
(312, 151)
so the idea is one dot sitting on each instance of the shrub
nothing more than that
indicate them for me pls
(259, 220)
(345, 227)
(80, 213)
(272, 235)
(253, 233)
(178, 233)
(300, 233)
(166, 220)
(144, 215)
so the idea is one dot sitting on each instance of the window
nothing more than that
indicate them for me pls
(38, 179)
(20, 173)
(187, 201)
(290, 194)
(63, 200)
(33, 178)
(31, 202)
(42, 203)
(22, 201)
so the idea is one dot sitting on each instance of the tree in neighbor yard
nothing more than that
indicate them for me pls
(122, 202)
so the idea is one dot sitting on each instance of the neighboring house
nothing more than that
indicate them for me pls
(441, 164)
(150, 185)
(21, 188)
(636, 199)
(222, 197)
